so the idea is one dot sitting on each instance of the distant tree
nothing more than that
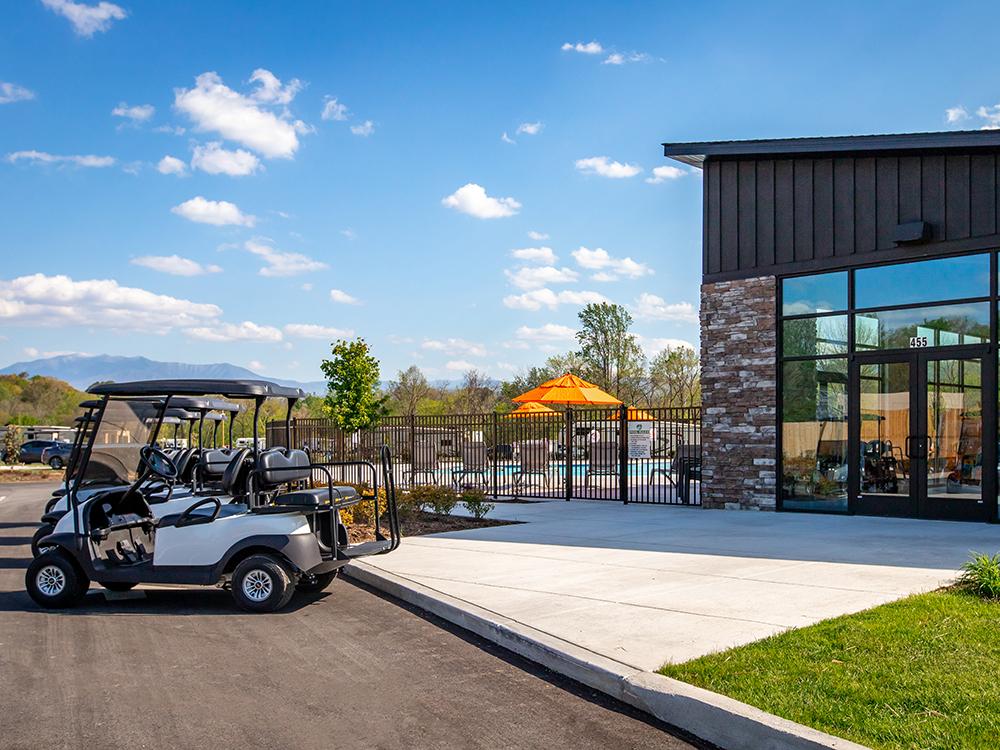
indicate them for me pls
(408, 390)
(37, 399)
(675, 378)
(353, 399)
(609, 351)
(12, 444)
(477, 393)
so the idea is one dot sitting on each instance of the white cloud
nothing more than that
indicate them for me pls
(215, 159)
(171, 165)
(618, 58)
(454, 347)
(175, 265)
(270, 90)
(136, 113)
(459, 365)
(506, 138)
(170, 129)
(667, 172)
(307, 287)
(256, 365)
(601, 165)
(343, 298)
(956, 114)
(334, 110)
(34, 353)
(218, 213)
(548, 332)
(534, 277)
(472, 199)
(654, 346)
(12, 92)
(536, 299)
(537, 236)
(590, 48)
(609, 268)
(311, 331)
(349, 233)
(87, 19)
(42, 300)
(615, 58)
(41, 157)
(279, 263)
(535, 254)
(245, 331)
(651, 307)
(991, 115)
(364, 129)
(214, 107)
(529, 128)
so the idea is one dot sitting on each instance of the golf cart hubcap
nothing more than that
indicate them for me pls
(50, 580)
(257, 585)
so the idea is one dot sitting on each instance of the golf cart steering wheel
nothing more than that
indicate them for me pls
(157, 462)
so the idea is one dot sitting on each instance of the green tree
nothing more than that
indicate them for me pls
(353, 398)
(609, 351)
(12, 444)
(477, 394)
(408, 390)
(675, 378)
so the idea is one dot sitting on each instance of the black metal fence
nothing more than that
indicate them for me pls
(636, 455)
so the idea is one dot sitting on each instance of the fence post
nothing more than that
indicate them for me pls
(623, 453)
(496, 455)
(568, 453)
(413, 441)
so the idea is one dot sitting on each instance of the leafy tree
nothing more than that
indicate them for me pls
(408, 391)
(353, 398)
(477, 394)
(609, 351)
(675, 378)
(37, 399)
(12, 444)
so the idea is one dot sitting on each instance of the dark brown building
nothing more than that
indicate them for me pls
(849, 323)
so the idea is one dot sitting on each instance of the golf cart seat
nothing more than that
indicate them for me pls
(281, 466)
(319, 497)
(214, 462)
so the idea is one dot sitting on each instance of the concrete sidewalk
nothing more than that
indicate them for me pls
(643, 585)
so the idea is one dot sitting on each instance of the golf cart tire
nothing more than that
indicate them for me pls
(316, 583)
(40, 533)
(120, 586)
(262, 583)
(55, 463)
(53, 581)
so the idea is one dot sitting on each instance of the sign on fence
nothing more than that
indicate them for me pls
(640, 439)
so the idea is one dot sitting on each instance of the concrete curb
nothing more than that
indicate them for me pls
(720, 720)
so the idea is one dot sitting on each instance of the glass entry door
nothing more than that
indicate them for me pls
(917, 435)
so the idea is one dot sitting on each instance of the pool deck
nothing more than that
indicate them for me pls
(643, 585)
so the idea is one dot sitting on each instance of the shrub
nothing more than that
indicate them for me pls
(981, 576)
(434, 497)
(12, 444)
(475, 502)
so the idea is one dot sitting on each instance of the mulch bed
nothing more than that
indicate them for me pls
(425, 523)
(23, 475)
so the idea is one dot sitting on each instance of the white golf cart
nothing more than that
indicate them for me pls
(287, 535)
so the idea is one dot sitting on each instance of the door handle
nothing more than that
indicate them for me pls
(918, 441)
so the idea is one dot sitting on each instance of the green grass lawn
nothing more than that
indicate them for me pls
(923, 672)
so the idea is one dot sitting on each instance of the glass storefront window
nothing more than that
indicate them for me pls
(812, 337)
(824, 292)
(922, 327)
(924, 281)
(814, 435)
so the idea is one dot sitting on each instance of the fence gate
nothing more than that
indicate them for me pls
(626, 455)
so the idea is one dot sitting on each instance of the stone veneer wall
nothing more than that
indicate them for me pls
(738, 394)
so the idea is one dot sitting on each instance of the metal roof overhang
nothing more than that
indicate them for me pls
(227, 388)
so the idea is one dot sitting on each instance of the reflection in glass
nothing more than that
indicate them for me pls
(809, 337)
(814, 435)
(954, 429)
(885, 425)
(924, 281)
(944, 325)
(825, 292)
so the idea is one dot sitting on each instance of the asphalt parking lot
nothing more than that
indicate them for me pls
(348, 668)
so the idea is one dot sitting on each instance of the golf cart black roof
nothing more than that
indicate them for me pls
(227, 388)
(90, 404)
(202, 404)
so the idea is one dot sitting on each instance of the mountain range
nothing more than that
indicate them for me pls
(82, 370)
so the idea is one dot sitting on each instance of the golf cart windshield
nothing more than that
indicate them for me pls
(125, 427)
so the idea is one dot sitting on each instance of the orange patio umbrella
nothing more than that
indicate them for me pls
(568, 389)
(635, 414)
(530, 409)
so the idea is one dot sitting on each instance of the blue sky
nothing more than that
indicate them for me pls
(372, 167)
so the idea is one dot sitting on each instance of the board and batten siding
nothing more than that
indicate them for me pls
(789, 214)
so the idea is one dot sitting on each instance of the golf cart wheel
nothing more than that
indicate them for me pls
(56, 463)
(262, 583)
(54, 582)
(118, 585)
(314, 584)
(40, 533)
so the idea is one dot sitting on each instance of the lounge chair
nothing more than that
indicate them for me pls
(534, 461)
(603, 462)
(475, 463)
(684, 466)
(424, 462)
